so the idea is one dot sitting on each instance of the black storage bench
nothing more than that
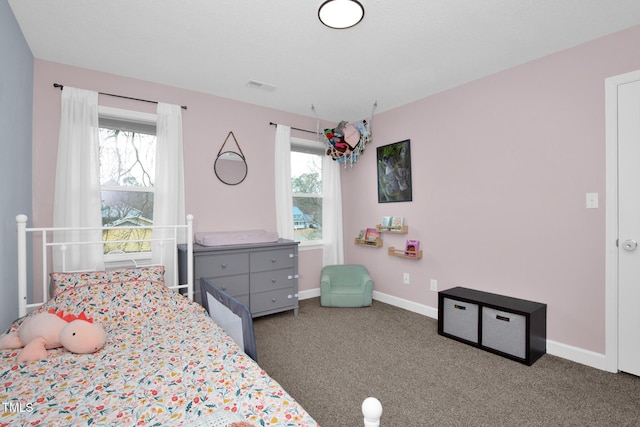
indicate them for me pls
(510, 327)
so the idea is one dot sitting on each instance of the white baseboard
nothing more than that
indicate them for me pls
(565, 351)
(578, 355)
(311, 293)
(425, 310)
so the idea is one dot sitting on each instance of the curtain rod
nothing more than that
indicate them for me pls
(57, 85)
(301, 130)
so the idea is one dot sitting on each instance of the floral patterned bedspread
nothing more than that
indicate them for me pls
(165, 363)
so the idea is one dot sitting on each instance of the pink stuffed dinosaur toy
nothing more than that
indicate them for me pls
(44, 331)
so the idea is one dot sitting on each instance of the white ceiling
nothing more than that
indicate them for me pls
(402, 51)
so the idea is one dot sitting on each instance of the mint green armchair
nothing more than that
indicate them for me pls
(347, 285)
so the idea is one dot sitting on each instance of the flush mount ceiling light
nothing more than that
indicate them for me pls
(340, 14)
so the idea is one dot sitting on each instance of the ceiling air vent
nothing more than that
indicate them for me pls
(261, 85)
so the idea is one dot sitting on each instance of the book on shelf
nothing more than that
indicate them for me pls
(362, 234)
(412, 247)
(397, 222)
(392, 221)
(371, 235)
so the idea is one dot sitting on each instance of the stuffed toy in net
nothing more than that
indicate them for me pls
(347, 141)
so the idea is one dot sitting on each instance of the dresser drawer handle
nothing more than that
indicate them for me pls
(224, 265)
(273, 260)
(273, 300)
(224, 288)
(273, 280)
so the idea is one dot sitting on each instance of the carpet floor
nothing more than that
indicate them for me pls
(331, 359)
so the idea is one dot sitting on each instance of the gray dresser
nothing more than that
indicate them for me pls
(264, 276)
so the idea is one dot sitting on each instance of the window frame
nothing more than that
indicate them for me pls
(312, 147)
(145, 119)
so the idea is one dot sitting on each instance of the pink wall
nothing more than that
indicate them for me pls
(206, 124)
(500, 170)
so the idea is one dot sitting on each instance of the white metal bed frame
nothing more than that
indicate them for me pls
(46, 233)
(371, 407)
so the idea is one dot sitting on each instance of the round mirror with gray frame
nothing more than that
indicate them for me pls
(230, 167)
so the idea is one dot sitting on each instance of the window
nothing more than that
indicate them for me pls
(306, 188)
(127, 143)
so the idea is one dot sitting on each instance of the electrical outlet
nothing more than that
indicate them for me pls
(405, 278)
(434, 285)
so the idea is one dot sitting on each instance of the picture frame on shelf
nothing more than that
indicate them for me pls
(394, 172)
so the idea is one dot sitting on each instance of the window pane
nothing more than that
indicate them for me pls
(127, 175)
(306, 173)
(307, 218)
(306, 186)
(130, 237)
(127, 158)
(124, 209)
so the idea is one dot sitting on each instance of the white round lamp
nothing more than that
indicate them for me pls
(341, 14)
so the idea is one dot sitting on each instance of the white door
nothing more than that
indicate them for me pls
(629, 227)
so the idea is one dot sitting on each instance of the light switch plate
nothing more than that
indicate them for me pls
(592, 200)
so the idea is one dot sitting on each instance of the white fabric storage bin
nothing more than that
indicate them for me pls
(504, 331)
(460, 319)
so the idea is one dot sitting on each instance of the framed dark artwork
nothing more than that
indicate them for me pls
(394, 172)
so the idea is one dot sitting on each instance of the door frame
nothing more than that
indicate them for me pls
(611, 216)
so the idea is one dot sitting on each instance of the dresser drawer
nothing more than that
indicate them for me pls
(270, 280)
(221, 265)
(272, 260)
(273, 300)
(233, 285)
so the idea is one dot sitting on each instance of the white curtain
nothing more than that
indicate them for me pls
(333, 250)
(284, 198)
(77, 201)
(168, 200)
